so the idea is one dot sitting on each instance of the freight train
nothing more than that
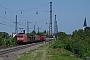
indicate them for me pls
(23, 38)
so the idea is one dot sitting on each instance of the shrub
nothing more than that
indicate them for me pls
(58, 44)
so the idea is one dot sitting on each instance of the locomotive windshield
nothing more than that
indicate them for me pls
(20, 36)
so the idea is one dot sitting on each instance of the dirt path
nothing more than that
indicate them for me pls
(43, 51)
(44, 54)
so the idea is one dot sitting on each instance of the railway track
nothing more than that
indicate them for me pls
(12, 53)
(12, 49)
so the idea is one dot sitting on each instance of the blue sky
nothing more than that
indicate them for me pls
(70, 14)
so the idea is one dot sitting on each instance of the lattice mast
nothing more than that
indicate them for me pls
(55, 25)
(50, 24)
(16, 27)
(28, 26)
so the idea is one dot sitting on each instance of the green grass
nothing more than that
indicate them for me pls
(25, 56)
(50, 54)
(57, 57)
(38, 56)
(32, 55)
(60, 54)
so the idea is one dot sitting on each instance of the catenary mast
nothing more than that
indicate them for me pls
(16, 27)
(50, 24)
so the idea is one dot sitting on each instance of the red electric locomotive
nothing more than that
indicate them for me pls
(22, 38)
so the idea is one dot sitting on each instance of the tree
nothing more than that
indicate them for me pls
(62, 35)
(4, 35)
(45, 31)
(32, 33)
(78, 42)
(41, 34)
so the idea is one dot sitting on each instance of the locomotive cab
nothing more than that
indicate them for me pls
(21, 38)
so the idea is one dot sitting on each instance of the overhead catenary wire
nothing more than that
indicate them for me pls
(10, 9)
(6, 25)
(15, 12)
(5, 18)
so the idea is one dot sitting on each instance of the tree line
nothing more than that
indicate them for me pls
(78, 42)
(6, 41)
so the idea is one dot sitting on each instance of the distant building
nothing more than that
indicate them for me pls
(85, 25)
(87, 28)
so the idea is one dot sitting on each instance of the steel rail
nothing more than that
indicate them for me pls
(8, 50)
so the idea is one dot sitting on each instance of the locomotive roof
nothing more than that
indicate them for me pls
(20, 33)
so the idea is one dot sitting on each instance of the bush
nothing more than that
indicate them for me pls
(58, 44)
(78, 42)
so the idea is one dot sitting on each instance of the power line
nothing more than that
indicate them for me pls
(2, 6)
(5, 18)
(7, 25)
(20, 11)
(25, 9)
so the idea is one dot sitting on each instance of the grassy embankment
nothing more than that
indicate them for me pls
(46, 53)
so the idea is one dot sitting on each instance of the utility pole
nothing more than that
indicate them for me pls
(55, 25)
(16, 28)
(38, 29)
(34, 27)
(50, 24)
(28, 26)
